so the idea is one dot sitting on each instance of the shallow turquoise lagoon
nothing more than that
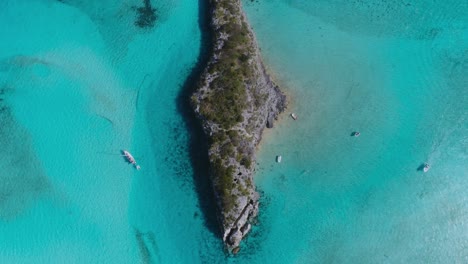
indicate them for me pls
(396, 72)
(80, 82)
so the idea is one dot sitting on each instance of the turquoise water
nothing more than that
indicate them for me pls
(396, 72)
(79, 82)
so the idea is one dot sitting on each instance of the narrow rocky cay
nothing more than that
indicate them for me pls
(235, 101)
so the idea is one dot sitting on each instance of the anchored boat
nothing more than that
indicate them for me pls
(426, 167)
(294, 116)
(130, 159)
(278, 158)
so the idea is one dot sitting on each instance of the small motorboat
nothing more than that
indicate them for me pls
(294, 116)
(130, 159)
(278, 158)
(426, 167)
(356, 134)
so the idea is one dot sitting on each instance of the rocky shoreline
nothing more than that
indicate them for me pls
(235, 100)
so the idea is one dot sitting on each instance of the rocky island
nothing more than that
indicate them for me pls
(235, 100)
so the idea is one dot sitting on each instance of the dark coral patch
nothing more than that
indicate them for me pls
(146, 15)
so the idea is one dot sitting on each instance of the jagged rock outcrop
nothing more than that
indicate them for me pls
(235, 101)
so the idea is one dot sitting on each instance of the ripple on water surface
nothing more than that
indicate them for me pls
(85, 82)
(393, 71)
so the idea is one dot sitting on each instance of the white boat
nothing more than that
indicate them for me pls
(278, 159)
(130, 159)
(426, 167)
(356, 134)
(294, 116)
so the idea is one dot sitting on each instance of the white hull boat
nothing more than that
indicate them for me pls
(426, 167)
(278, 159)
(130, 159)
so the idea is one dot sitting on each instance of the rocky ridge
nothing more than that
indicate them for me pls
(235, 101)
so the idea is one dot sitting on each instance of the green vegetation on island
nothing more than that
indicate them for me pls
(234, 100)
(226, 101)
